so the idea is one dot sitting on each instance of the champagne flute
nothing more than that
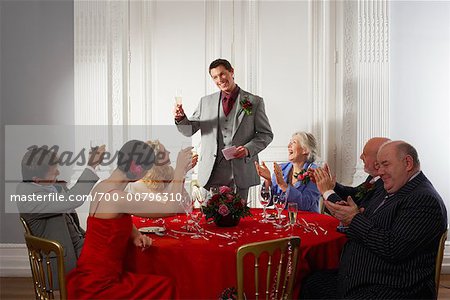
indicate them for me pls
(178, 97)
(264, 199)
(214, 190)
(292, 212)
(187, 204)
(196, 217)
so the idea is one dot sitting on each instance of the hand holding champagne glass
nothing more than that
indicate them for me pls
(178, 111)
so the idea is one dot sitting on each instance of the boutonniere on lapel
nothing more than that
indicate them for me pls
(363, 189)
(246, 105)
(303, 176)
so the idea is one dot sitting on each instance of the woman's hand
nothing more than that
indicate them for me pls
(194, 161)
(185, 159)
(279, 177)
(263, 171)
(142, 241)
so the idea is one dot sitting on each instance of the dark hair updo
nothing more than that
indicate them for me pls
(135, 158)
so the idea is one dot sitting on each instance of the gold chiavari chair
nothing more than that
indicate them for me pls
(439, 257)
(280, 273)
(42, 254)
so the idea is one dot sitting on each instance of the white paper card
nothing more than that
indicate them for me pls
(229, 153)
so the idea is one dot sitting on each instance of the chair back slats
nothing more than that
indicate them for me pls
(439, 258)
(42, 253)
(269, 274)
(285, 267)
(256, 276)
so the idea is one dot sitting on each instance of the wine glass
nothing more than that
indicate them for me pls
(292, 212)
(264, 199)
(196, 217)
(280, 204)
(187, 205)
(214, 190)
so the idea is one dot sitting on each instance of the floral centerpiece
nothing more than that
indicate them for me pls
(226, 208)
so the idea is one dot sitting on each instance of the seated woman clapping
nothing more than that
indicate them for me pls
(292, 178)
(100, 269)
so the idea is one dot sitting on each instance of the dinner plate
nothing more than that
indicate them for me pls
(152, 229)
(274, 216)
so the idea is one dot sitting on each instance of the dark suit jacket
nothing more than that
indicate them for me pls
(391, 251)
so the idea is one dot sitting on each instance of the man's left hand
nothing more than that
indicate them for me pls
(343, 213)
(241, 152)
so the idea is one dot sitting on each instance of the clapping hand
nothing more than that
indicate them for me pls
(323, 179)
(262, 170)
(343, 213)
(279, 177)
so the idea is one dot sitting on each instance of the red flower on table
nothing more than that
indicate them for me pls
(223, 210)
(226, 203)
(224, 189)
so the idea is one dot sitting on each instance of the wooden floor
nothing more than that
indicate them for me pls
(12, 288)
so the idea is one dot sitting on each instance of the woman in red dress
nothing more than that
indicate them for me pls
(99, 273)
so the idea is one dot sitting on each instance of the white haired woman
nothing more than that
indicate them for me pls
(292, 178)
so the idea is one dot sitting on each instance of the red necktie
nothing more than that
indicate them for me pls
(227, 104)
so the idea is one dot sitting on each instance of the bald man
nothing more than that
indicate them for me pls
(392, 244)
(362, 193)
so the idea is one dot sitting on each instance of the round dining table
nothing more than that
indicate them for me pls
(203, 267)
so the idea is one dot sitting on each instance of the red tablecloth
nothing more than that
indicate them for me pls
(203, 269)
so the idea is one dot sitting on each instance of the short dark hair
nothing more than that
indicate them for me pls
(405, 149)
(36, 162)
(135, 158)
(220, 62)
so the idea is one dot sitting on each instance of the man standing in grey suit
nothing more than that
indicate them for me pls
(50, 219)
(231, 117)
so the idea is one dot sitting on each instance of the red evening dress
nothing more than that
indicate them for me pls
(100, 273)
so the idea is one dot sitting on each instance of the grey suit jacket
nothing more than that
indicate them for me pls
(57, 220)
(252, 131)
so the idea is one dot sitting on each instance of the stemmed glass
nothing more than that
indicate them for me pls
(264, 199)
(280, 204)
(196, 217)
(187, 205)
(178, 97)
(292, 212)
(214, 190)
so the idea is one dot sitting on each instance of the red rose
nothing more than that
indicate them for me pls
(223, 210)
(224, 189)
(215, 198)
